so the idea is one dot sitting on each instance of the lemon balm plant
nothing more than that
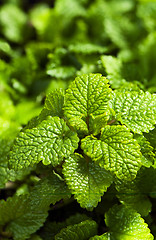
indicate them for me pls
(85, 142)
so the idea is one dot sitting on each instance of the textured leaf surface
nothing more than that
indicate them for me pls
(50, 229)
(29, 223)
(49, 190)
(49, 142)
(53, 104)
(116, 151)
(8, 132)
(83, 231)
(12, 208)
(88, 94)
(137, 110)
(78, 125)
(151, 138)
(131, 195)
(136, 193)
(24, 214)
(126, 224)
(6, 141)
(99, 122)
(87, 181)
(148, 156)
(19, 218)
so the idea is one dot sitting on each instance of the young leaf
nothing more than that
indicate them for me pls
(79, 126)
(135, 109)
(126, 224)
(116, 151)
(87, 181)
(88, 94)
(53, 104)
(83, 231)
(49, 142)
(99, 122)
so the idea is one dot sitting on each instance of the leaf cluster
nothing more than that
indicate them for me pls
(77, 157)
(83, 143)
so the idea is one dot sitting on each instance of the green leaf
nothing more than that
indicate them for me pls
(105, 236)
(116, 151)
(25, 225)
(87, 181)
(62, 64)
(49, 142)
(11, 15)
(19, 219)
(61, 71)
(113, 67)
(49, 190)
(78, 125)
(8, 132)
(99, 122)
(69, 10)
(53, 104)
(23, 215)
(26, 110)
(7, 174)
(87, 48)
(135, 109)
(88, 94)
(136, 193)
(126, 224)
(148, 156)
(83, 231)
(7, 109)
(5, 48)
(132, 195)
(35, 237)
(13, 207)
(50, 229)
(151, 138)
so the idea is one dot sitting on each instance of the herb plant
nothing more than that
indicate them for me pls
(77, 157)
(86, 142)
